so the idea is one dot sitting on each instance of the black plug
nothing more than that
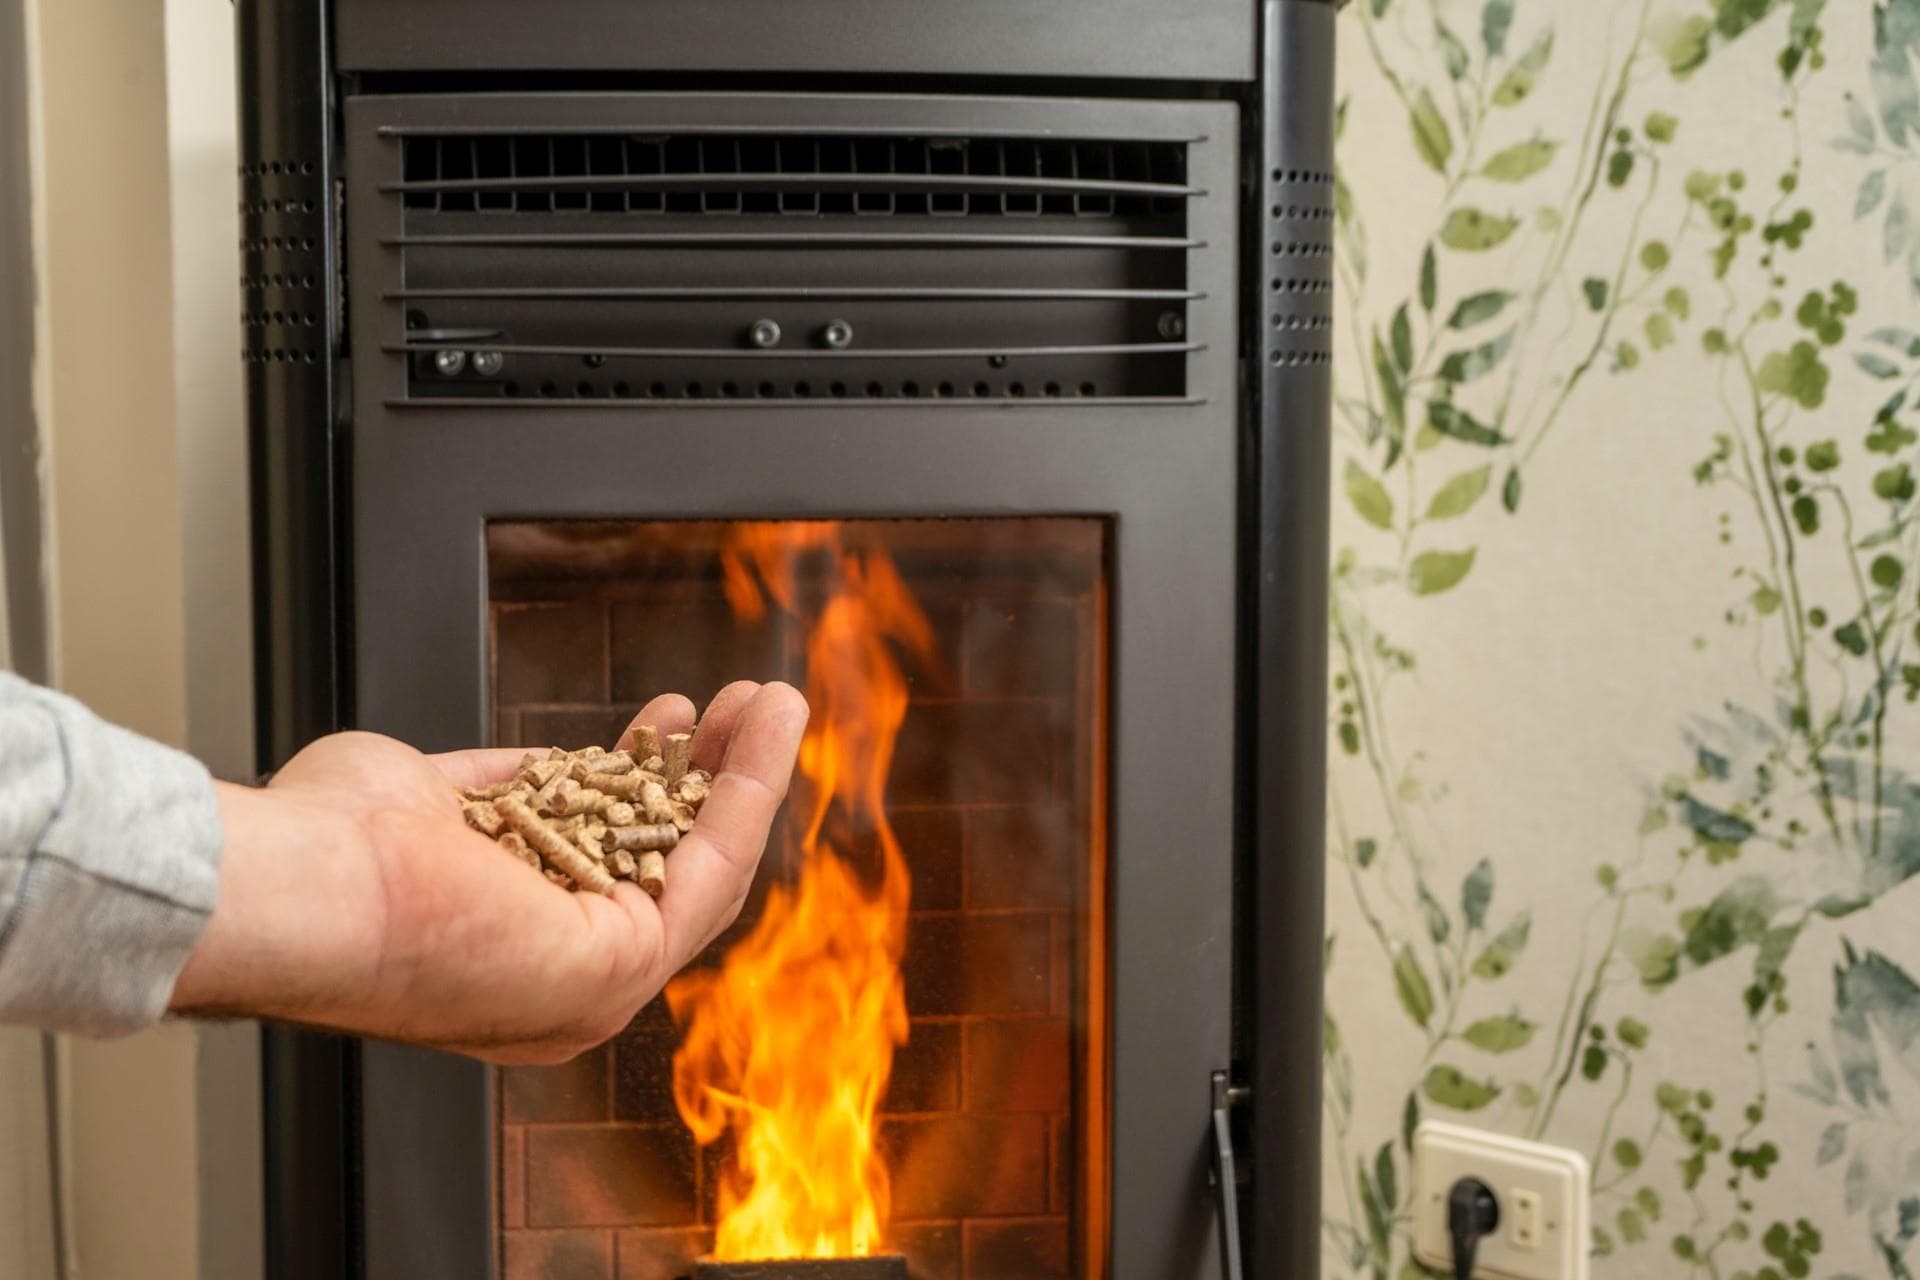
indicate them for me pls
(1472, 1215)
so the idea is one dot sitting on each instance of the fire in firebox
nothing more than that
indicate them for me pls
(789, 1045)
(883, 1267)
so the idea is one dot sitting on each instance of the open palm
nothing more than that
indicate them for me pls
(354, 897)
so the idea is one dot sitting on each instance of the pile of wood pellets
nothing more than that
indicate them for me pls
(589, 818)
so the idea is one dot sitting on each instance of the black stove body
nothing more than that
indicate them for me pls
(873, 260)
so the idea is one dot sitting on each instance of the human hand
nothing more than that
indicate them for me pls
(353, 897)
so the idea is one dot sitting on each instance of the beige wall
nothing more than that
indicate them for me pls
(210, 433)
(125, 1114)
(118, 602)
(26, 1200)
(156, 1137)
(208, 383)
(27, 1233)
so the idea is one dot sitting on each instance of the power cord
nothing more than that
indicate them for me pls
(1472, 1215)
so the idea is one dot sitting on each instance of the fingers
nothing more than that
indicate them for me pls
(712, 867)
(669, 713)
(710, 739)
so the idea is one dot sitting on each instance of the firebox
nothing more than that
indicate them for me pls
(965, 367)
(931, 931)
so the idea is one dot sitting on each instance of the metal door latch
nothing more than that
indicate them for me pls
(1225, 1097)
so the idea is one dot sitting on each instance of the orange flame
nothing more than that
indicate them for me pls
(789, 1045)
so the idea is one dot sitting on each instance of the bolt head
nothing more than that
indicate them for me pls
(1172, 325)
(449, 363)
(764, 333)
(488, 364)
(838, 334)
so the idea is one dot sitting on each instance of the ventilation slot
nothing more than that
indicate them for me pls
(893, 177)
(1300, 258)
(591, 389)
(737, 268)
(282, 285)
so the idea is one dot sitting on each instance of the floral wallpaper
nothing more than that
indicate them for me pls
(1625, 799)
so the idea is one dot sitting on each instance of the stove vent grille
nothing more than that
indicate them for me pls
(727, 174)
(595, 267)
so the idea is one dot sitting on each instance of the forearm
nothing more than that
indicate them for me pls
(296, 927)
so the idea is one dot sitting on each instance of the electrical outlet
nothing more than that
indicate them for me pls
(1542, 1193)
(1524, 1225)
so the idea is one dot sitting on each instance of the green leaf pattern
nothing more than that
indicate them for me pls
(1520, 161)
(1696, 971)
(1473, 230)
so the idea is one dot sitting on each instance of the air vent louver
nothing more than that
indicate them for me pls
(588, 267)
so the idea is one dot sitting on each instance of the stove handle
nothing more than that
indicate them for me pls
(1224, 1098)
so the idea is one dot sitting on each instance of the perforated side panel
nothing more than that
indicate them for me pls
(282, 251)
(1299, 234)
(1285, 581)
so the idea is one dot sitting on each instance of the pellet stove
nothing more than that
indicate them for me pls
(963, 364)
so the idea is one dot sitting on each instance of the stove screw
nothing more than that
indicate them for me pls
(594, 361)
(488, 364)
(1172, 325)
(997, 362)
(764, 333)
(838, 335)
(449, 364)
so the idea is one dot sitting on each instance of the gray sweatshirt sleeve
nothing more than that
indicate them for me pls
(109, 861)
